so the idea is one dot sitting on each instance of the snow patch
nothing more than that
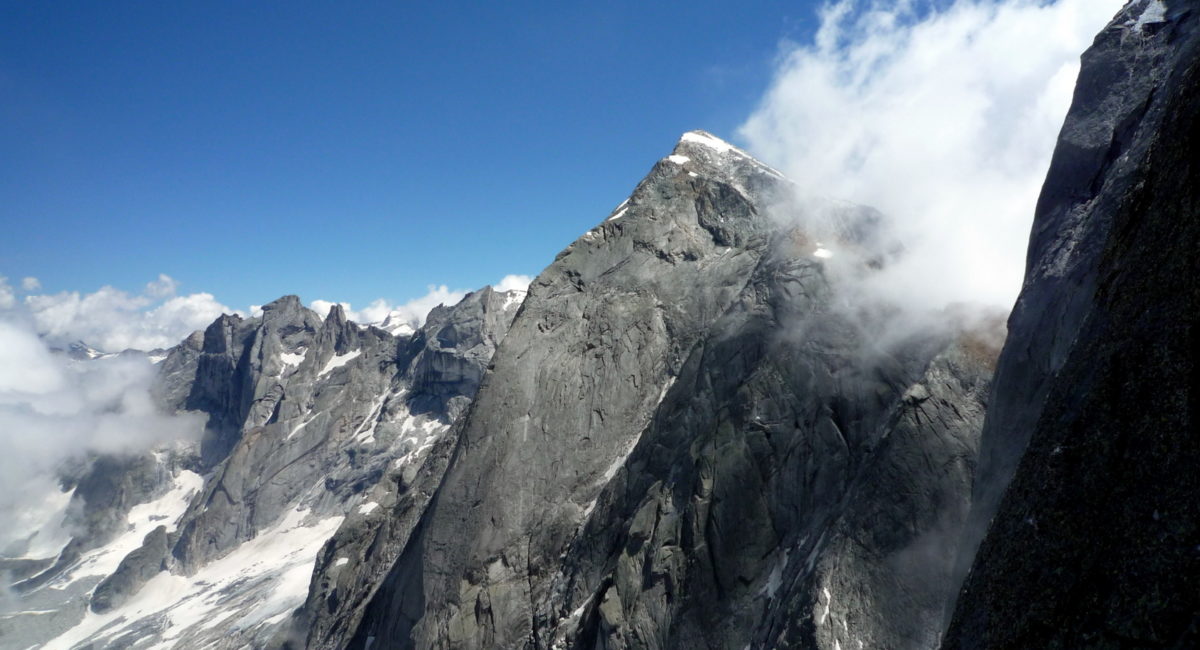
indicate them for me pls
(366, 431)
(265, 579)
(294, 358)
(299, 427)
(722, 147)
(338, 361)
(418, 435)
(342, 561)
(775, 579)
(367, 508)
(677, 159)
(828, 603)
(142, 518)
(1155, 12)
(513, 298)
(823, 253)
(619, 213)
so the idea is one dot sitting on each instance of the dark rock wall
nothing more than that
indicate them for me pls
(1096, 542)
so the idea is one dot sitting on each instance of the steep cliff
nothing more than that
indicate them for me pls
(688, 439)
(1096, 542)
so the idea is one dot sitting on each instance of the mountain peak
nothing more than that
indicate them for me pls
(289, 301)
(707, 149)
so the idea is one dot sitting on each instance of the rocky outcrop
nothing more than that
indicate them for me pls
(135, 571)
(444, 363)
(686, 441)
(1090, 447)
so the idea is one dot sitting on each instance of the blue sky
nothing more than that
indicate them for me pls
(348, 151)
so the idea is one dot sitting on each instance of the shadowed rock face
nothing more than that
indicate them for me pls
(685, 441)
(1096, 542)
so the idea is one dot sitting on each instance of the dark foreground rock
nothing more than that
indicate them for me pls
(1096, 541)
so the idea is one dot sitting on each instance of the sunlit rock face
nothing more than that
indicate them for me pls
(693, 436)
(1087, 472)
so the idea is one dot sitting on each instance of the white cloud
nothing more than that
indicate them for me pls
(113, 320)
(514, 283)
(322, 307)
(165, 286)
(7, 298)
(25, 364)
(54, 410)
(414, 311)
(943, 119)
(30, 284)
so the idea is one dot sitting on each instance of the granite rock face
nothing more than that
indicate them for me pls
(686, 440)
(686, 435)
(1089, 455)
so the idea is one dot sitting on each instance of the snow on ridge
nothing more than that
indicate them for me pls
(722, 147)
(677, 159)
(708, 140)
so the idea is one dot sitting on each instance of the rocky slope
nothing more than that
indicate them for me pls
(213, 545)
(688, 440)
(1096, 542)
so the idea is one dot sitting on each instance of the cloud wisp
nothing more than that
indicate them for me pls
(941, 115)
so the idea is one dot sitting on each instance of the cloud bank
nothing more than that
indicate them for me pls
(55, 410)
(941, 115)
(113, 320)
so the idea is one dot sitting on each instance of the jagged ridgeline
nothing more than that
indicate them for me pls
(684, 437)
